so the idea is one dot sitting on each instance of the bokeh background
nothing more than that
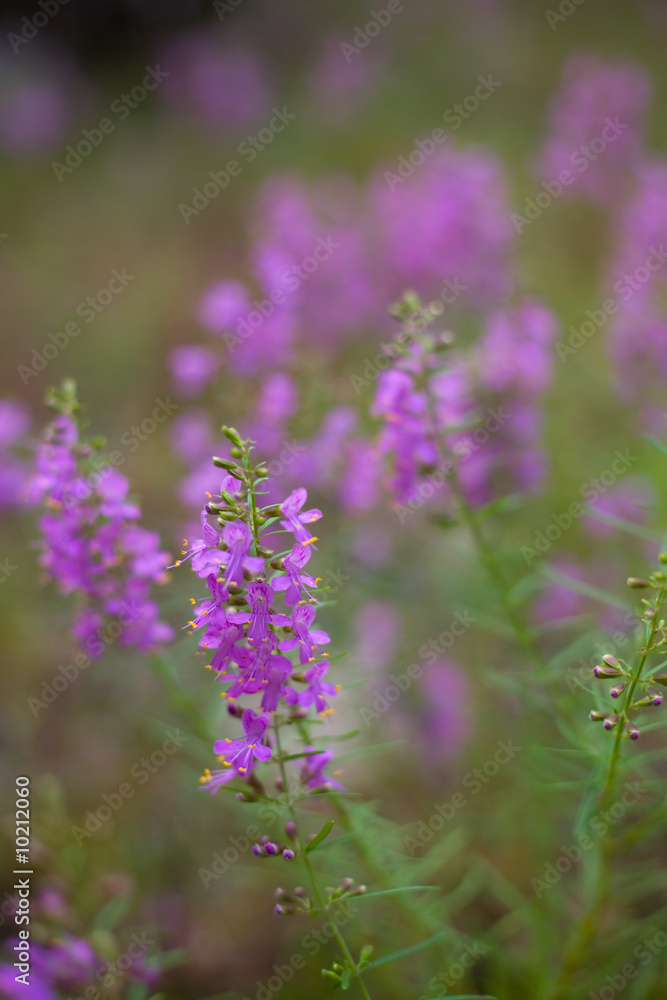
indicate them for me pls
(399, 583)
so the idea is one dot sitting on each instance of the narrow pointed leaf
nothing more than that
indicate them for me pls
(324, 832)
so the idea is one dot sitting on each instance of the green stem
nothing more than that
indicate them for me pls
(577, 952)
(495, 573)
(311, 875)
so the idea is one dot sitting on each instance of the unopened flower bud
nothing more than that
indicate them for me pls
(602, 672)
(258, 850)
(345, 884)
(655, 696)
(290, 829)
(598, 716)
(632, 731)
(618, 690)
(232, 435)
(663, 557)
(637, 582)
(611, 661)
(611, 721)
(271, 848)
(224, 463)
(288, 854)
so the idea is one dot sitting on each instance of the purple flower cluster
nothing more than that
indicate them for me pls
(68, 963)
(637, 281)
(431, 411)
(596, 128)
(244, 637)
(327, 258)
(221, 86)
(93, 544)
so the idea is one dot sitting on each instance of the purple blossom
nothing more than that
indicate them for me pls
(318, 689)
(296, 518)
(221, 86)
(293, 582)
(92, 544)
(238, 540)
(312, 771)
(445, 231)
(241, 752)
(193, 367)
(596, 128)
(307, 639)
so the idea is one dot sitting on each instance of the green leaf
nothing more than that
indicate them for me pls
(578, 587)
(324, 832)
(111, 914)
(503, 505)
(404, 952)
(621, 525)
(345, 979)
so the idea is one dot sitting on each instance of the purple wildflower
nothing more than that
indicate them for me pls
(293, 582)
(318, 689)
(92, 543)
(296, 518)
(241, 752)
(312, 771)
(306, 639)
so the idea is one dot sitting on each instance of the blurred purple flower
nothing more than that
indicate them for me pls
(596, 127)
(217, 84)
